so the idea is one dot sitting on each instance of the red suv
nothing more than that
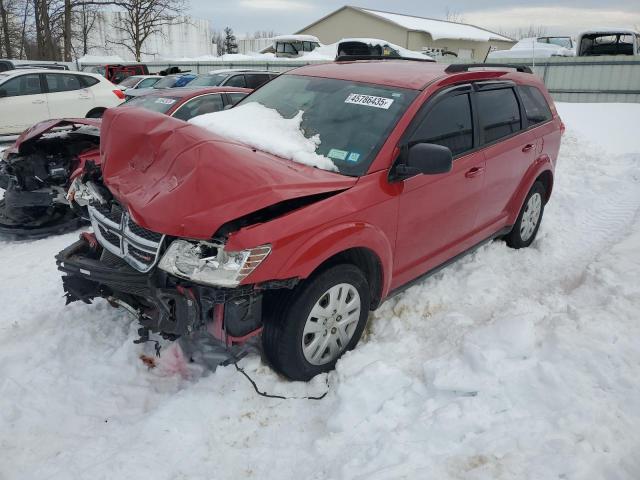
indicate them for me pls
(195, 232)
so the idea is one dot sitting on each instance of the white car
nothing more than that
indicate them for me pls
(30, 96)
(537, 47)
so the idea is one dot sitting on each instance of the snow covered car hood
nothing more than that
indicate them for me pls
(179, 179)
(41, 128)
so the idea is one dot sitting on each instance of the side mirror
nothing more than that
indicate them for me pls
(3, 93)
(425, 159)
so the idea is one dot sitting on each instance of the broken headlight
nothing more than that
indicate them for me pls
(209, 263)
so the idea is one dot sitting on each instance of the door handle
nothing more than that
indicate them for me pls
(527, 147)
(38, 102)
(474, 172)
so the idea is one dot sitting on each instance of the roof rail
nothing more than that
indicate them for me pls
(349, 58)
(465, 67)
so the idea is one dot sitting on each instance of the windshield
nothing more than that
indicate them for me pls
(559, 41)
(166, 82)
(129, 82)
(352, 119)
(151, 102)
(208, 80)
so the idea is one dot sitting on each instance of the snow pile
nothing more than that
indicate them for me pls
(506, 365)
(106, 59)
(264, 128)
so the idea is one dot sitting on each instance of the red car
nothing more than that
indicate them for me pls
(37, 169)
(199, 233)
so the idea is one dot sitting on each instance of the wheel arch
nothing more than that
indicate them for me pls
(540, 170)
(359, 244)
(95, 110)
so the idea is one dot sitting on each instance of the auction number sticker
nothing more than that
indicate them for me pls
(369, 100)
(166, 101)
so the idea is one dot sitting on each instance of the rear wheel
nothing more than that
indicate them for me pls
(319, 321)
(526, 227)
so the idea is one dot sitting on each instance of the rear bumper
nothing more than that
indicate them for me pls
(161, 303)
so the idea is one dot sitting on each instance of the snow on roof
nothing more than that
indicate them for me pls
(439, 29)
(610, 30)
(296, 38)
(101, 59)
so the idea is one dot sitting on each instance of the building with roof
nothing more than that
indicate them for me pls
(415, 33)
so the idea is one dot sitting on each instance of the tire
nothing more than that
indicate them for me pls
(300, 345)
(526, 227)
(96, 113)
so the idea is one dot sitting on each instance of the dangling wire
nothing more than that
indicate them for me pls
(268, 395)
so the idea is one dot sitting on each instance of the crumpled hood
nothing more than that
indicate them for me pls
(179, 179)
(41, 128)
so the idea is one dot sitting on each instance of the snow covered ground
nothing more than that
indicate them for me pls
(507, 365)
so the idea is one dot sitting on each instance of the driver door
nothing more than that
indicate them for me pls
(23, 103)
(437, 213)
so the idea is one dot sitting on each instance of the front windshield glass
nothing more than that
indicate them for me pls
(208, 80)
(352, 119)
(166, 82)
(559, 41)
(151, 102)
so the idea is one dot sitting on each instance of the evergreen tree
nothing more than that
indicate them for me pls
(230, 44)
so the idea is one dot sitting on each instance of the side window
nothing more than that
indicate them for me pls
(535, 105)
(200, 106)
(147, 82)
(58, 82)
(499, 113)
(23, 85)
(88, 81)
(449, 123)
(236, 81)
(236, 97)
(254, 80)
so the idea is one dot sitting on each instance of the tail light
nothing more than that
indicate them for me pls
(119, 93)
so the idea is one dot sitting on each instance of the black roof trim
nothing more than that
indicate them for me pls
(465, 67)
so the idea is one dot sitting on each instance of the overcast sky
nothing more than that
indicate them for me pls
(288, 16)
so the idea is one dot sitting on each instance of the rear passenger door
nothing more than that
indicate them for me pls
(508, 150)
(67, 95)
(437, 213)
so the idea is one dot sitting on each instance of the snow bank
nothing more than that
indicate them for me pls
(265, 129)
(107, 59)
(506, 365)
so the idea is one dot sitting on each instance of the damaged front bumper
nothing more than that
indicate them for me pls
(162, 303)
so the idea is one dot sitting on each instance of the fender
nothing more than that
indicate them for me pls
(336, 239)
(538, 167)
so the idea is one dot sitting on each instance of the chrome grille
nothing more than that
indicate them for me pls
(121, 236)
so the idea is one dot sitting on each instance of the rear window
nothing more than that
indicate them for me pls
(535, 105)
(153, 103)
(499, 113)
(254, 80)
(129, 82)
(208, 80)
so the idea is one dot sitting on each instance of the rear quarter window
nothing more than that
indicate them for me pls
(499, 113)
(535, 105)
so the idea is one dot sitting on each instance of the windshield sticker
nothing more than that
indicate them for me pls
(337, 154)
(166, 101)
(353, 157)
(369, 101)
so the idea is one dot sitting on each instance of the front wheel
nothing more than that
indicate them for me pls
(318, 322)
(526, 227)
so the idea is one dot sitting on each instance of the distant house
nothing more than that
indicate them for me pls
(412, 32)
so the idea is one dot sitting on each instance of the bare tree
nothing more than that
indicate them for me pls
(218, 39)
(264, 34)
(139, 19)
(453, 16)
(83, 21)
(531, 31)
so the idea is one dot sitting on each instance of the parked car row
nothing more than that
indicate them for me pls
(34, 95)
